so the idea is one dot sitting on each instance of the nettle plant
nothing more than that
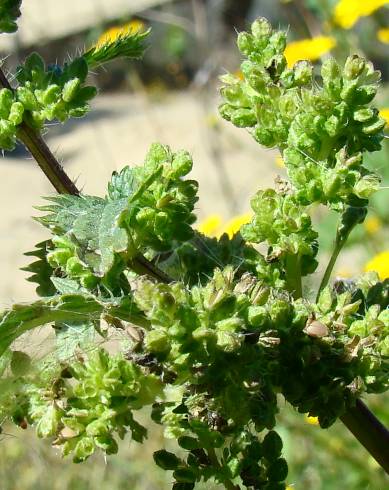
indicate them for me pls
(213, 332)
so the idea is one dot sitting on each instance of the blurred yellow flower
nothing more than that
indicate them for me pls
(372, 224)
(211, 225)
(233, 226)
(380, 264)
(308, 49)
(311, 420)
(280, 161)
(384, 112)
(383, 35)
(111, 34)
(348, 12)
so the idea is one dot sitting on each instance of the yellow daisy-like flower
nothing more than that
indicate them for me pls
(372, 224)
(348, 12)
(110, 35)
(308, 49)
(311, 420)
(211, 225)
(383, 35)
(380, 264)
(233, 226)
(384, 113)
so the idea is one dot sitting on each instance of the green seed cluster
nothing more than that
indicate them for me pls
(285, 225)
(149, 209)
(163, 202)
(321, 130)
(96, 406)
(53, 92)
(9, 12)
(44, 94)
(11, 115)
(64, 257)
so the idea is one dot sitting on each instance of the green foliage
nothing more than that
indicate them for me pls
(53, 92)
(322, 128)
(129, 45)
(9, 12)
(285, 225)
(213, 344)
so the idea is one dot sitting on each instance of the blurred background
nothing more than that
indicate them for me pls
(172, 97)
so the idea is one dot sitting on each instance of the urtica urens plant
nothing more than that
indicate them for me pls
(215, 331)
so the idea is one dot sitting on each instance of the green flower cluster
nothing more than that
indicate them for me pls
(11, 115)
(53, 92)
(285, 225)
(9, 12)
(161, 201)
(262, 335)
(321, 130)
(149, 209)
(44, 94)
(88, 412)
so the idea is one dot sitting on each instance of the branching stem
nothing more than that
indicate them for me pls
(63, 184)
(293, 275)
(369, 431)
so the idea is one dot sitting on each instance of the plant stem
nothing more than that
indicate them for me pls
(327, 274)
(369, 431)
(63, 184)
(215, 462)
(350, 217)
(293, 275)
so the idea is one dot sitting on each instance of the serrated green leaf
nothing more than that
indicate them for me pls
(112, 238)
(130, 45)
(41, 270)
(64, 308)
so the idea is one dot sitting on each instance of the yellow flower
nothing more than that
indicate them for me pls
(380, 264)
(311, 420)
(308, 49)
(234, 225)
(211, 225)
(348, 12)
(372, 224)
(110, 35)
(384, 113)
(280, 161)
(383, 35)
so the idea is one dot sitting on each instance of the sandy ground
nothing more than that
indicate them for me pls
(229, 165)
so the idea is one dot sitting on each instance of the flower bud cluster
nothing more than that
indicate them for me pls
(87, 413)
(64, 257)
(149, 209)
(322, 131)
(44, 94)
(162, 201)
(9, 12)
(11, 115)
(53, 92)
(285, 225)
